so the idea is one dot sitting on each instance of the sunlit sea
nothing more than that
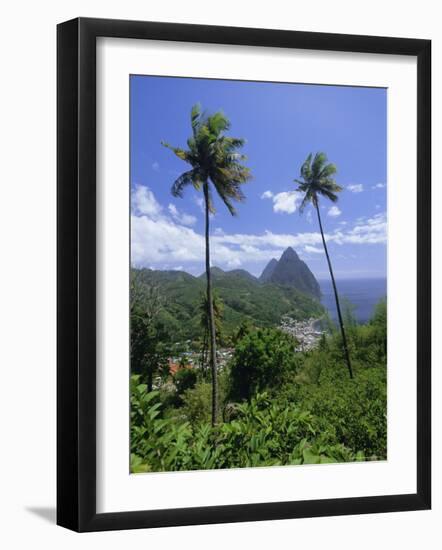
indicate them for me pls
(363, 294)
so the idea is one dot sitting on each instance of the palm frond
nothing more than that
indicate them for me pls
(218, 123)
(329, 194)
(180, 153)
(330, 185)
(302, 185)
(232, 173)
(318, 163)
(210, 204)
(214, 157)
(316, 179)
(187, 178)
(306, 168)
(231, 143)
(195, 117)
(328, 170)
(305, 201)
(230, 189)
(228, 203)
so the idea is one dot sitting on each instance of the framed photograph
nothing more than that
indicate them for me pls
(243, 274)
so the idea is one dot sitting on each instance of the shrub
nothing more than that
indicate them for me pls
(297, 408)
(197, 403)
(261, 360)
(265, 433)
(354, 410)
(185, 379)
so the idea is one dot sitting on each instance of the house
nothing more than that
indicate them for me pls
(175, 367)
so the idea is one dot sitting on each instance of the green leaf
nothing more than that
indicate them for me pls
(310, 458)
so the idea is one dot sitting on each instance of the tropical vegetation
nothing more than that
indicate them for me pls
(218, 377)
(309, 412)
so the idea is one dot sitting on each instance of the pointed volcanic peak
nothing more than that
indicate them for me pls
(289, 255)
(268, 270)
(292, 271)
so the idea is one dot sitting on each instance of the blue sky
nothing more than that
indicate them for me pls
(282, 124)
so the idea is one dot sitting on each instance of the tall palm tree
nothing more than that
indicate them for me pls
(317, 180)
(214, 163)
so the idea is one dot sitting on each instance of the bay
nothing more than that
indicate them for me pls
(363, 294)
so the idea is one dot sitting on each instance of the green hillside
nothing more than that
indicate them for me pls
(244, 297)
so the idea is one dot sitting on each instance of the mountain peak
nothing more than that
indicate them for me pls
(268, 270)
(290, 270)
(289, 253)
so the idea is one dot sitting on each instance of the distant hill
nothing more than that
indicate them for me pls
(291, 271)
(218, 273)
(243, 295)
(242, 273)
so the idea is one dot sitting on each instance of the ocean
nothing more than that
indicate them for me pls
(363, 294)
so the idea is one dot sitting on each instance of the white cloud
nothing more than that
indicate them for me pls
(159, 238)
(334, 212)
(313, 250)
(378, 186)
(285, 202)
(234, 262)
(270, 241)
(156, 166)
(355, 187)
(181, 217)
(199, 201)
(162, 240)
(365, 231)
(144, 202)
(309, 216)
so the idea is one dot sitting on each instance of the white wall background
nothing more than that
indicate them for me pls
(27, 275)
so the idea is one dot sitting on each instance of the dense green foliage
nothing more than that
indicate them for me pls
(185, 379)
(263, 434)
(149, 350)
(309, 412)
(243, 296)
(262, 359)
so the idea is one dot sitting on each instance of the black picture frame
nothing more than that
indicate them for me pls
(76, 273)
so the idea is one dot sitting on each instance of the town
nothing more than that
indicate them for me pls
(307, 333)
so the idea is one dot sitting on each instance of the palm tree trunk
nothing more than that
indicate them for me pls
(212, 330)
(204, 351)
(335, 290)
(150, 380)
